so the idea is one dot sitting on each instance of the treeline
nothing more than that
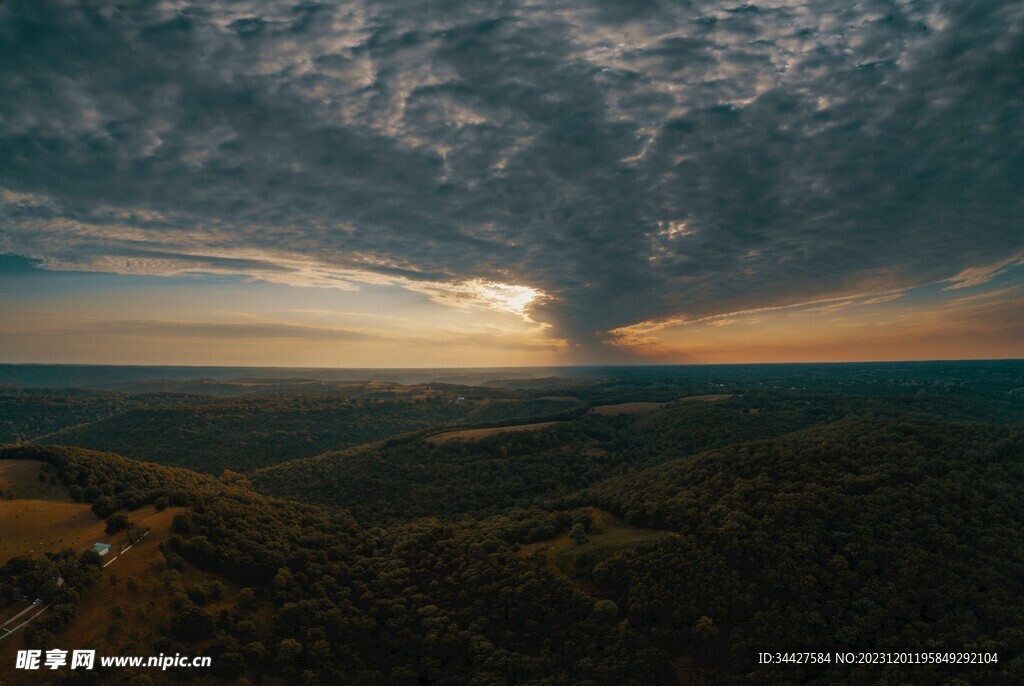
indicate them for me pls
(119, 481)
(503, 410)
(26, 414)
(248, 433)
(424, 603)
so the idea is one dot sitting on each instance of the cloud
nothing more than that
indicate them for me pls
(975, 276)
(617, 163)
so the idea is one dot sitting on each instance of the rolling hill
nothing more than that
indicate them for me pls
(667, 547)
(246, 433)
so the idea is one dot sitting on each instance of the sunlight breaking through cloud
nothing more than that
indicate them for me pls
(491, 295)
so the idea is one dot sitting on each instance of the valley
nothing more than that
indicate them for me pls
(667, 545)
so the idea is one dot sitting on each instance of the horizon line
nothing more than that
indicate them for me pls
(564, 366)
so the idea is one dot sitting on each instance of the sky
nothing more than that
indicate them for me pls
(434, 183)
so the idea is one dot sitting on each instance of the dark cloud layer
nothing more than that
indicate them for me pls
(633, 160)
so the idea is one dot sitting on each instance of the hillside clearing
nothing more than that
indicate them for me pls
(646, 407)
(20, 479)
(626, 408)
(608, 535)
(40, 517)
(473, 434)
(114, 617)
(709, 398)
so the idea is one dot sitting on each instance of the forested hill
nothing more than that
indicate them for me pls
(26, 414)
(247, 433)
(858, 534)
(634, 531)
(415, 477)
(861, 535)
(314, 599)
(211, 434)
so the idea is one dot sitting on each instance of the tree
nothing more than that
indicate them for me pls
(117, 523)
(90, 558)
(705, 628)
(104, 506)
(135, 533)
(181, 524)
(578, 534)
(605, 611)
(191, 624)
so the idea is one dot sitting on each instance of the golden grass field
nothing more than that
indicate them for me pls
(472, 434)
(40, 517)
(626, 408)
(709, 398)
(645, 407)
(109, 617)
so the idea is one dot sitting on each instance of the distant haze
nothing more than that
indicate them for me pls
(99, 376)
(201, 380)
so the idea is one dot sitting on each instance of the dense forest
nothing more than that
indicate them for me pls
(30, 413)
(869, 535)
(212, 433)
(246, 433)
(413, 477)
(666, 547)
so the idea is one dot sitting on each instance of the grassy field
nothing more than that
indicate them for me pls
(710, 398)
(118, 617)
(39, 516)
(472, 434)
(626, 408)
(607, 536)
(114, 617)
(118, 620)
(20, 478)
(646, 407)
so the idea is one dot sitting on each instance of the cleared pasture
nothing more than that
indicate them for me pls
(40, 517)
(475, 434)
(608, 535)
(647, 407)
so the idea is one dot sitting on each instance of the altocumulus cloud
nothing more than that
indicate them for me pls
(626, 162)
